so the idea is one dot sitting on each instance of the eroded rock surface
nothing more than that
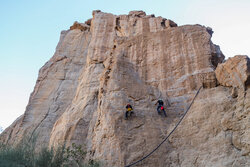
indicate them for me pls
(100, 66)
(235, 72)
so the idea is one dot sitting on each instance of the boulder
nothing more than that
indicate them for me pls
(235, 72)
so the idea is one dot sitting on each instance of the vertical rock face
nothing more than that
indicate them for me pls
(109, 61)
(55, 88)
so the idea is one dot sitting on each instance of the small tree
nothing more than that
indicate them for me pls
(75, 156)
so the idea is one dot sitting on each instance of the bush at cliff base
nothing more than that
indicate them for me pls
(26, 155)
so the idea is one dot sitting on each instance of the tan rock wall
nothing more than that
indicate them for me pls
(81, 93)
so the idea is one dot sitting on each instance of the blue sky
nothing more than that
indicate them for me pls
(30, 30)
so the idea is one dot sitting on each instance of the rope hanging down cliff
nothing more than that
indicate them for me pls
(168, 134)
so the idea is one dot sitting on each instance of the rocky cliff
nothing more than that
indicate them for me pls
(101, 65)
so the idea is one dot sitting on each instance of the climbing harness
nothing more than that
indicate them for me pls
(161, 110)
(168, 134)
(129, 109)
(128, 113)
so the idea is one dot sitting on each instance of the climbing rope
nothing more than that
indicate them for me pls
(168, 134)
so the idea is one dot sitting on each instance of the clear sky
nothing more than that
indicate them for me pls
(30, 29)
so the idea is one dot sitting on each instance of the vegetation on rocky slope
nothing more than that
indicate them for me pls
(25, 154)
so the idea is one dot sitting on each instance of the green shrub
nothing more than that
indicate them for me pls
(26, 155)
(75, 155)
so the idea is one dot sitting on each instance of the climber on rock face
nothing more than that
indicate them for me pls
(129, 111)
(160, 107)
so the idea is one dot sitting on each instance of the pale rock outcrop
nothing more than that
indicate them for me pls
(81, 93)
(81, 26)
(234, 72)
(55, 88)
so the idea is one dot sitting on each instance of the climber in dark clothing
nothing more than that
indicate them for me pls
(129, 111)
(160, 107)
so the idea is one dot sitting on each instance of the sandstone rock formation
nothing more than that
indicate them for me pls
(101, 65)
(234, 72)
